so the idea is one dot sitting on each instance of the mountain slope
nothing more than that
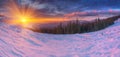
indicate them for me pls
(18, 42)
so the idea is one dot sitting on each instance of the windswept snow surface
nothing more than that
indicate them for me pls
(17, 42)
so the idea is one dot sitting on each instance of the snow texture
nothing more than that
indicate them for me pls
(17, 42)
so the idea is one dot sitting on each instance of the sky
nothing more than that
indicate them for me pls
(73, 7)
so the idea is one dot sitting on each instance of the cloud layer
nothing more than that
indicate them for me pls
(63, 7)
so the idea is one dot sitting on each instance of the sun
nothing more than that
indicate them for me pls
(19, 14)
(26, 15)
(23, 20)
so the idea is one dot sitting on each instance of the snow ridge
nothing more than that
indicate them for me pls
(18, 42)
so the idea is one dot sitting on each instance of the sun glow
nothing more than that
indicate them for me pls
(19, 13)
(25, 15)
(23, 20)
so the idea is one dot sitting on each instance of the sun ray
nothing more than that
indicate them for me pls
(22, 14)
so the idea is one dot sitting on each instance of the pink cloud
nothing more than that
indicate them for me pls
(75, 13)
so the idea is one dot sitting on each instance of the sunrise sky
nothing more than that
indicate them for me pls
(70, 8)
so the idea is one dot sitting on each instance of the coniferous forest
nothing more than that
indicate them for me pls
(78, 27)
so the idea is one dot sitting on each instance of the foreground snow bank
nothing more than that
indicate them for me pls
(17, 42)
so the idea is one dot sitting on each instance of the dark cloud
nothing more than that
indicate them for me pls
(59, 7)
(2, 2)
(69, 6)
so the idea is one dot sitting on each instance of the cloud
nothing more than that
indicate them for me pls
(94, 13)
(44, 8)
(76, 7)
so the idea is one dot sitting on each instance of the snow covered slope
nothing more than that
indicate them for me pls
(17, 42)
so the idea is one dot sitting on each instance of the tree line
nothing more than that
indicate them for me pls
(78, 27)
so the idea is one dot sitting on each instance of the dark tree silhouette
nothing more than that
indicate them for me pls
(78, 27)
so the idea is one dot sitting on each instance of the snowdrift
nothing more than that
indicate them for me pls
(18, 42)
